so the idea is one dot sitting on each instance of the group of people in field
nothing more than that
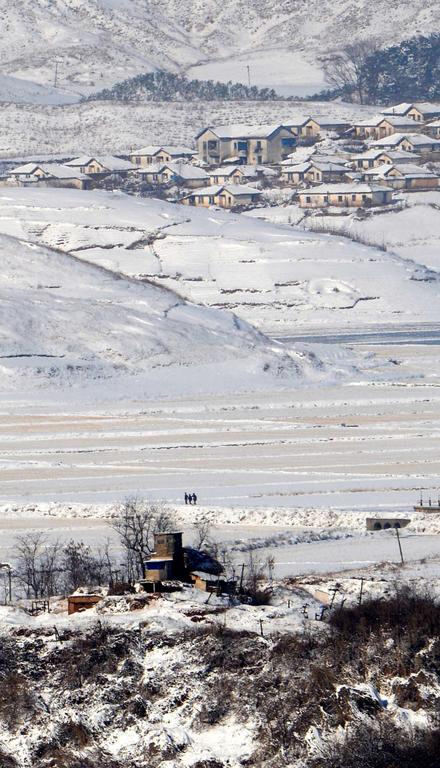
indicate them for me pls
(190, 498)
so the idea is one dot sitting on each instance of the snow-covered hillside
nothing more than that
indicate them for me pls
(64, 323)
(99, 42)
(113, 127)
(277, 277)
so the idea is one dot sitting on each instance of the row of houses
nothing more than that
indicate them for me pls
(232, 163)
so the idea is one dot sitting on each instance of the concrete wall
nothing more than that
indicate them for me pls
(385, 523)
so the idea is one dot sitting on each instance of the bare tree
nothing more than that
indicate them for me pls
(346, 70)
(38, 564)
(136, 524)
(203, 529)
(82, 567)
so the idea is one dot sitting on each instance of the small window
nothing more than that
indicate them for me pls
(353, 197)
(340, 198)
(364, 197)
(308, 199)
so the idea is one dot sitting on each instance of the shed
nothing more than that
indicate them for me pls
(81, 602)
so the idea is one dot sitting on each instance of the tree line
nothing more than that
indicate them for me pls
(167, 86)
(365, 73)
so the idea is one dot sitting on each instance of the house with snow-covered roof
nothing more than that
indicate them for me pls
(433, 129)
(245, 144)
(345, 196)
(374, 157)
(313, 171)
(223, 195)
(101, 165)
(379, 126)
(180, 173)
(154, 154)
(424, 145)
(408, 177)
(420, 111)
(240, 174)
(304, 127)
(49, 174)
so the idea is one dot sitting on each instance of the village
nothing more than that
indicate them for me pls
(325, 164)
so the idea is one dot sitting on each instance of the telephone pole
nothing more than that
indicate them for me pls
(55, 80)
(400, 546)
(249, 75)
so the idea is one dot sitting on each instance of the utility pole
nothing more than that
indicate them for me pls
(249, 75)
(241, 579)
(362, 589)
(400, 546)
(55, 80)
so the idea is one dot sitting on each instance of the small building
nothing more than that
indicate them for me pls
(101, 166)
(81, 602)
(313, 171)
(305, 128)
(426, 146)
(345, 195)
(180, 173)
(408, 177)
(211, 582)
(245, 144)
(374, 157)
(154, 155)
(208, 582)
(167, 562)
(433, 129)
(240, 174)
(50, 175)
(223, 195)
(378, 127)
(421, 111)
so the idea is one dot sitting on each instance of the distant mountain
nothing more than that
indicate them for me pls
(96, 43)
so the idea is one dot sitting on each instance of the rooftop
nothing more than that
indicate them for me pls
(170, 149)
(328, 189)
(109, 162)
(241, 131)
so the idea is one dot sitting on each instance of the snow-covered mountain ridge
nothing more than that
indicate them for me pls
(99, 42)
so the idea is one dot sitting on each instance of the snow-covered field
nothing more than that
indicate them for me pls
(115, 127)
(100, 373)
(277, 277)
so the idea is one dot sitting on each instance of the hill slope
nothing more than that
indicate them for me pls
(100, 42)
(64, 324)
(279, 278)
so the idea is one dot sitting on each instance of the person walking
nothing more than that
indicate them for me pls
(194, 498)
(186, 498)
